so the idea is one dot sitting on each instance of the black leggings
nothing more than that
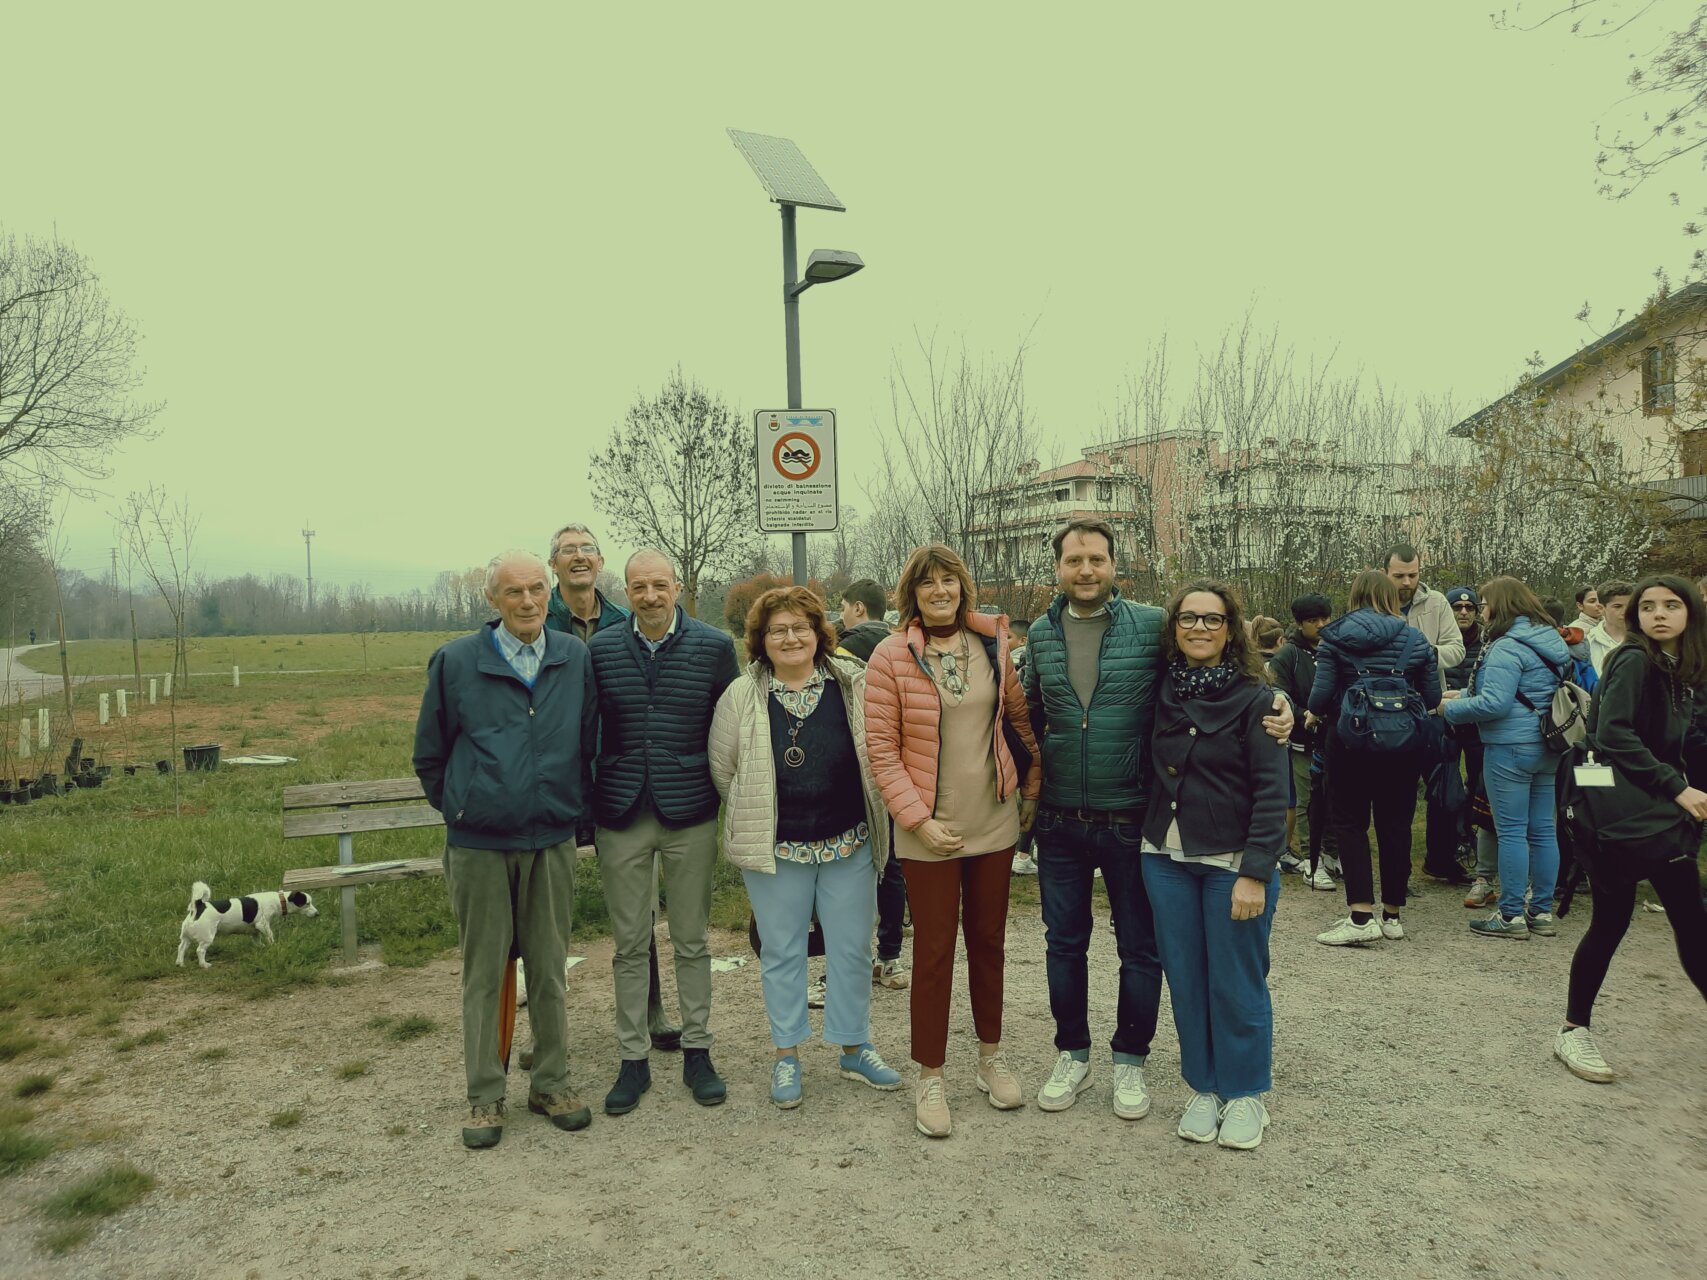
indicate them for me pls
(1614, 881)
(1361, 783)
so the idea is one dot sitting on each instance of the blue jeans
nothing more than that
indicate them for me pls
(1217, 971)
(1520, 781)
(845, 895)
(1068, 853)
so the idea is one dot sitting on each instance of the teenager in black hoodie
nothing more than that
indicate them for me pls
(1647, 825)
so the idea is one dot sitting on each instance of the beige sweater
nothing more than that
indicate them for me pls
(743, 767)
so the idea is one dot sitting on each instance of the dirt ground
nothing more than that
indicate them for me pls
(1421, 1129)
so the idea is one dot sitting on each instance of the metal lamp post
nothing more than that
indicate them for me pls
(790, 181)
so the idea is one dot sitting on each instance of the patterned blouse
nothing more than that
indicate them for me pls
(801, 703)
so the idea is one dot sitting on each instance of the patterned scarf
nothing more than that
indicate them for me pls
(1200, 682)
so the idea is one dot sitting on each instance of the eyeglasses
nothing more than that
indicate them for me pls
(578, 548)
(1464, 608)
(1208, 621)
(804, 631)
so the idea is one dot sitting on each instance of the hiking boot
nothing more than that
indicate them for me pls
(1066, 1082)
(930, 1110)
(890, 974)
(1202, 1118)
(1242, 1123)
(700, 1076)
(996, 1079)
(1497, 926)
(1542, 924)
(815, 992)
(634, 1079)
(785, 1082)
(1131, 1099)
(1575, 1048)
(868, 1067)
(483, 1126)
(1481, 894)
(1343, 933)
(564, 1109)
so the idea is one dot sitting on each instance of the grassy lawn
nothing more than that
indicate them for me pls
(341, 652)
(93, 884)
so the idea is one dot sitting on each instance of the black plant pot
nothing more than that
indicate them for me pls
(163, 766)
(202, 759)
(5, 795)
(130, 770)
(104, 771)
(36, 791)
(50, 785)
(87, 780)
(88, 763)
(21, 796)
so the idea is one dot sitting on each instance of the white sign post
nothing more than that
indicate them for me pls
(41, 727)
(124, 710)
(796, 451)
(104, 709)
(153, 690)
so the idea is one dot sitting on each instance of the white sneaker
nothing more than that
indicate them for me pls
(1131, 1099)
(1344, 933)
(1242, 1123)
(1024, 866)
(1202, 1118)
(1321, 880)
(1392, 930)
(1576, 1049)
(1066, 1082)
(815, 993)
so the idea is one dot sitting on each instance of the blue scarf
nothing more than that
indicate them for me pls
(1200, 682)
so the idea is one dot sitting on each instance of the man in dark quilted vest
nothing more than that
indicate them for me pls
(1092, 670)
(659, 679)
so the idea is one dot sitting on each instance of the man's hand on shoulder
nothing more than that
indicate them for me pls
(1279, 725)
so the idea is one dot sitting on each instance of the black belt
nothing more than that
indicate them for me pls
(1099, 817)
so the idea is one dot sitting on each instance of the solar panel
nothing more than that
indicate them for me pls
(788, 176)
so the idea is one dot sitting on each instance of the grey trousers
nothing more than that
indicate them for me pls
(526, 897)
(1302, 783)
(688, 856)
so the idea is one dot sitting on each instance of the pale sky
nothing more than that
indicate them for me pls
(399, 274)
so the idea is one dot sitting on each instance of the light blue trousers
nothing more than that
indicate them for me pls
(1520, 780)
(844, 894)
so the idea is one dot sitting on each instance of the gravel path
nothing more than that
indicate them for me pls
(1421, 1129)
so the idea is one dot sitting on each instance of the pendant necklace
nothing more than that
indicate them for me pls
(953, 678)
(794, 755)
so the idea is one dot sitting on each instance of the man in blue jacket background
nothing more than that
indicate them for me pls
(504, 749)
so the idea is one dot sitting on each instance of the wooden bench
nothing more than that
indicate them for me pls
(351, 806)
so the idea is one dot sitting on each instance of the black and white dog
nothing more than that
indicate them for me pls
(209, 916)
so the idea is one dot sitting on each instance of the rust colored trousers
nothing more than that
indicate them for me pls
(957, 895)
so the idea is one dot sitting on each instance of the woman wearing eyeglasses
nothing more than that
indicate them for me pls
(1213, 836)
(803, 819)
(1371, 639)
(943, 709)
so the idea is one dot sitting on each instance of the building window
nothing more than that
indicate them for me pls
(1105, 491)
(1659, 379)
(1692, 450)
(1064, 494)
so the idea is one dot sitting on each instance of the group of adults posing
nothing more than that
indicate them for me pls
(1144, 744)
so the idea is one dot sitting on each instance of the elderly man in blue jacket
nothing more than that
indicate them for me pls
(659, 679)
(504, 749)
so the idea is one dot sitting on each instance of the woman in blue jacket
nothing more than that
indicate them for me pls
(1371, 638)
(1523, 662)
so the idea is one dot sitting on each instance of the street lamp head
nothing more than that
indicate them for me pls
(826, 265)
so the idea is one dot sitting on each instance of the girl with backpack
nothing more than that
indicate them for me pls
(1647, 825)
(1376, 680)
(1523, 662)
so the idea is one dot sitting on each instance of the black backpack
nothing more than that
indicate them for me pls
(1381, 713)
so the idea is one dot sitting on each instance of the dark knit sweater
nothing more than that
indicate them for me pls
(822, 798)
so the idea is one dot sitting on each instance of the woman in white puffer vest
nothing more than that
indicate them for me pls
(805, 823)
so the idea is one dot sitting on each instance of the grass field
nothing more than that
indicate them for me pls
(93, 885)
(341, 652)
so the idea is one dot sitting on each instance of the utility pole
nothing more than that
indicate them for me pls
(308, 545)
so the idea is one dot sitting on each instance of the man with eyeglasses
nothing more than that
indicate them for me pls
(659, 679)
(1095, 658)
(580, 609)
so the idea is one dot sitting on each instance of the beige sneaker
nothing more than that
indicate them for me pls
(483, 1126)
(997, 1079)
(931, 1108)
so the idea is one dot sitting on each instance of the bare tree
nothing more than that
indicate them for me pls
(161, 536)
(67, 363)
(678, 474)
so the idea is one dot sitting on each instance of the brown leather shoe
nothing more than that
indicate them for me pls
(564, 1110)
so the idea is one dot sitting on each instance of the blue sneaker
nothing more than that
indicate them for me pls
(868, 1067)
(785, 1082)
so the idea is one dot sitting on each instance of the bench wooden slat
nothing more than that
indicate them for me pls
(309, 878)
(297, 825)
(318, 795)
